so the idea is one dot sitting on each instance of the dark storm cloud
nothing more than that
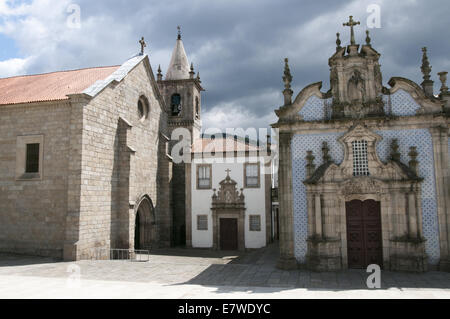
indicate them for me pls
(239, 46)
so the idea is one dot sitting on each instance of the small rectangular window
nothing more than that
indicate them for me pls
(204, 176)
(202, 222)
(255, 223)
(32, 158)
(251, 175)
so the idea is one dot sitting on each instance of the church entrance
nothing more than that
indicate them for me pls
(144, 225)
(364, 240)
(228, 233)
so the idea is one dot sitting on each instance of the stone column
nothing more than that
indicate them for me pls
(412, 220)
(440, 149)
(286, 217)
(318, 213)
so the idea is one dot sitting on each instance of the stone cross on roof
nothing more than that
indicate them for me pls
(228, 171)
(143, 45)
(351, 24)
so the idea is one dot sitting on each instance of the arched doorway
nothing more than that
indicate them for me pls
(144, 225)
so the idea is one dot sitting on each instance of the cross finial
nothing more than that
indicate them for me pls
(228, 171)
(179, 32)
(351, 23)
(143, 45)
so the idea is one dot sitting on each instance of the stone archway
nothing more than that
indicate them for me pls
(144, 225)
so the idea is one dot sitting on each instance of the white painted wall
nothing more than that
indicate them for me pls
(254, 202)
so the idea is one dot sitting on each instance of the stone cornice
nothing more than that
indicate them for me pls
(399, 122)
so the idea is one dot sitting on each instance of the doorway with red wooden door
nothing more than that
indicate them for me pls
(364, 238)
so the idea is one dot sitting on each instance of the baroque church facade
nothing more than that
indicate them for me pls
(364, 170)
(85, 161)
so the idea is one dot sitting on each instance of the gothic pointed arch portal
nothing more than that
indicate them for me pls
(144, 225)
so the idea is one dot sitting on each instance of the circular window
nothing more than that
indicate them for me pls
(142, 108)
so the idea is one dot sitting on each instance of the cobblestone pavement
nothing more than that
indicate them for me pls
(179, 268)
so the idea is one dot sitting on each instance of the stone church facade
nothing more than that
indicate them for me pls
(364, 171)
(84, 158)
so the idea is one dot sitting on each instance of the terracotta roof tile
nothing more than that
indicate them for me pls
(228, 144)
(50, 86)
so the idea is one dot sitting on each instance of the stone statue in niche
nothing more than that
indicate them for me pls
(356, 88)
(228, 198)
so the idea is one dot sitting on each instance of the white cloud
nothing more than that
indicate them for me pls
(238, 49)
(14, 66)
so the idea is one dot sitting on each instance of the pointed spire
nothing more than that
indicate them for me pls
(198, 77)
(287, 79)
(427, 84)
(159, 76)
(191, 73)
(338, 41)
(425, 68)
(368, 39)
(179, 64)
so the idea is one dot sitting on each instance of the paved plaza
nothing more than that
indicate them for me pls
(188, 273)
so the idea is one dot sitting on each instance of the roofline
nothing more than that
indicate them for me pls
(60, 71)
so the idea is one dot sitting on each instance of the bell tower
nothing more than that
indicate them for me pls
(181, 90)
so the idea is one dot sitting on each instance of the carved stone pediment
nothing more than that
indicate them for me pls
(362, 185)
(228, 195)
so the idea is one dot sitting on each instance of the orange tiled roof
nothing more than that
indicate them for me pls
(50, 86)
(228, 144)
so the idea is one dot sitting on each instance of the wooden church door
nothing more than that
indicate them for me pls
(364, 241)
(228, 234)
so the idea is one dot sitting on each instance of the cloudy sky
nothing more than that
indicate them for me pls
(237, 45)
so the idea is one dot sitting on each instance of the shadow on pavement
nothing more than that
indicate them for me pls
(9, 260)
(258, 269)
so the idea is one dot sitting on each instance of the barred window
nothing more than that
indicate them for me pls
(251, 175)
(202, 222)
(255, 223)
(204, 176)
(360, 161)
